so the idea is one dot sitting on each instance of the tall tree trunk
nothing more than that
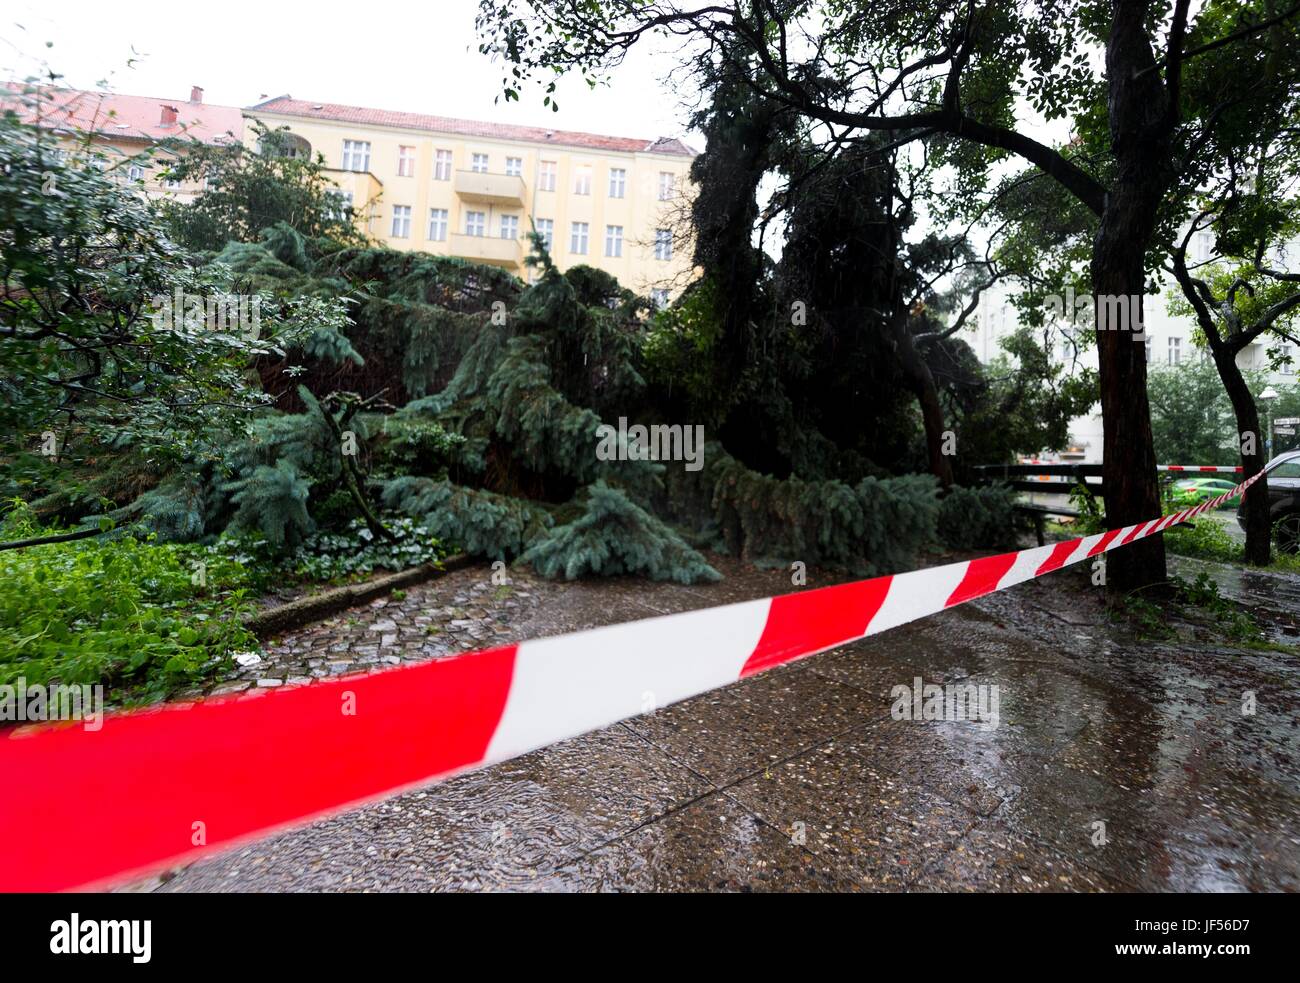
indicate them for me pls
(1258, 520)
(920, 381)
(1140, 125)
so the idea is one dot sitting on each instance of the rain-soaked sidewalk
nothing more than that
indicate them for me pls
(1115, 764)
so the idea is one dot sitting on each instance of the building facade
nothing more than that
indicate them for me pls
(476, 190)
(127, 136)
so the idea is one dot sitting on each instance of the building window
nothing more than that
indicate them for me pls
(509, 226)
(1288, 368)
(1175, 350)
(659, 297)
(213, 180)
(406, 162)
(171, 184)
(665, 185)
(546, 176)
(582, 179)
(356, 155)
(340, 202)
(442, 165)
(401, 221)
(438, 224)
(514, 166)
(1202, 247)
(663, 244)
(546, 229)
(613, 240)
(475, 223)
(578, 238)
(617, 182)
(479, 163)
(135, 172)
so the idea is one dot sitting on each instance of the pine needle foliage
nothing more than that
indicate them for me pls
(874, 526)
(479, 522)
(615, 536)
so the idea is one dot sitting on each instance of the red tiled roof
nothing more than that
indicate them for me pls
(284, 105)
(121, 116)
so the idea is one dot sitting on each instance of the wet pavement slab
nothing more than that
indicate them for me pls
(1112, 763)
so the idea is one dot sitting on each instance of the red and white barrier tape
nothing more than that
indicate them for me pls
(153, 788)
(1210, 468)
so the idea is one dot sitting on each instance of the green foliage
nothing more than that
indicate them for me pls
(273, 500)
(1191, 418)
(249, 189)
(1204, 539)
(1028, 405)
(123, 612)
(479, 522)
(356, 551)
(1091, 509)
(982, 517)
(412, 444)
(1227, 617)
(876, 526)
(93, 350)
(615, 536)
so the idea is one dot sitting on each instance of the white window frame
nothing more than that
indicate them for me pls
(478, 163)
(1175, 350)
(514, 167)
(476, 223)
(582, 179)
(341, 202)
(401, 222)
(442, 165)
(405, 161)
(618, 182)
(579, 235)
(614, 241)
(663, 244)
(356, 152)
(512, 223)
(439, 222)
(547, 175)
(667, 185)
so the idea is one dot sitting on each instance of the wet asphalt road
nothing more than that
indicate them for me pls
(1116, 765)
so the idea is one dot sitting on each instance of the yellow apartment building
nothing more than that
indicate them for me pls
(121, 134)
(475, 189)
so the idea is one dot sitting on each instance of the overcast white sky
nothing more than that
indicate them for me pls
(330, 51)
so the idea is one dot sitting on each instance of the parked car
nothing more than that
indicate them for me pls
(1194, 491)
(1283, 501)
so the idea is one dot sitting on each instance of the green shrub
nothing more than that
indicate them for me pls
(616, 536)
(1205, 539)
(876, 526)
(356, 552)
(479, 522)
(983, 517)
(140, 617)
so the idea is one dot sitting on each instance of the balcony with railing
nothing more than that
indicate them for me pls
(490, 189)
(487, 249)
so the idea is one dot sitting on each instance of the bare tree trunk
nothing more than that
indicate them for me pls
(1258, 520)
